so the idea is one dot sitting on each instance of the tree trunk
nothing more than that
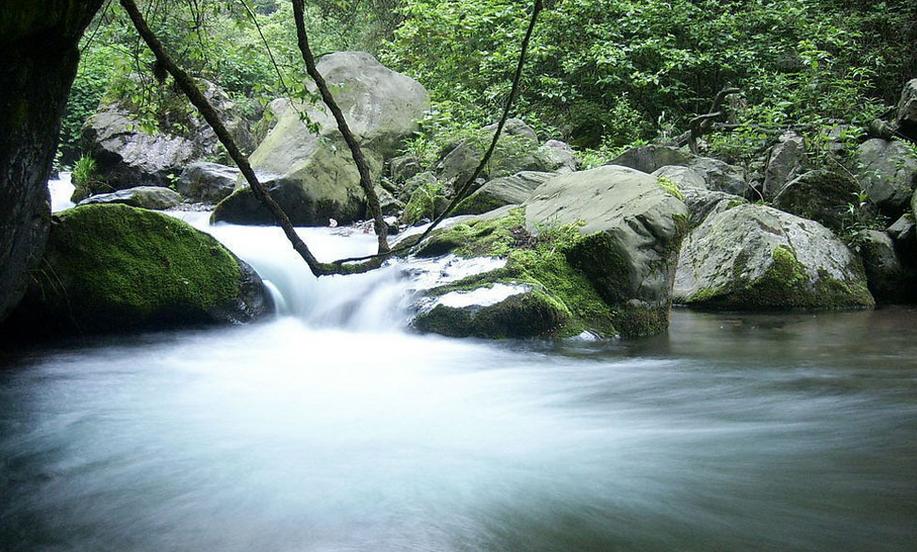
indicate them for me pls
(38, 61)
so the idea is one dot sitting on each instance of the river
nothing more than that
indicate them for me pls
(332, 428)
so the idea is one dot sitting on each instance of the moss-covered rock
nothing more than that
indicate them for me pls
(601, 245)
(537, 267)
(427, 201)
(112, 268)
(756, 257)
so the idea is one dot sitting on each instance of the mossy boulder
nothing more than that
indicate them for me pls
(146, 197)
(632, 226)
(517, 150)
(536, 292)
(426, 202)
(753, 257)
(600, 246)
(821, 196)
(507, 190)
(312, 174)
(114, 268)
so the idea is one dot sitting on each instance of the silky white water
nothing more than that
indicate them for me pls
(333, 428)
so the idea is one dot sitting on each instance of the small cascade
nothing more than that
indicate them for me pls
(375, 301)
(61, 189)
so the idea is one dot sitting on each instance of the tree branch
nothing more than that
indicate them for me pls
(466, 188)
(190, 89)
(366, 181)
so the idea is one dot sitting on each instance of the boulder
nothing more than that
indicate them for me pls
(820, 195)
(146, 197)
(426, 202)
(207, 182)
(889, 280)
(425, 178)
(755, 257)
(127, 156)
(493, 311)
(717, 175)
(888, 174)
(703, 203)
(206, 143)
(507, 190)
(907, 110)
(114, 268)
(784, 162)
(632, 230)
(312, 175)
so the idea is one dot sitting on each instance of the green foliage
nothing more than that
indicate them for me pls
(84, 171)
(611, 72)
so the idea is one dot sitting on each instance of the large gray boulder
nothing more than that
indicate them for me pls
(784, 163)
(907, 110)
(312, 175)
(717, 175)
(819, 195)
(207, 182)
(887, 173)
(681, 176)
(756, 257)
(632, 230)
(146, 197)
(114, 268)
(127, 156)
(507, 190)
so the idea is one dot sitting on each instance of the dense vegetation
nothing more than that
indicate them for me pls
(602, 73)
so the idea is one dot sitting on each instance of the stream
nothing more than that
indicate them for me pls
(331, 427)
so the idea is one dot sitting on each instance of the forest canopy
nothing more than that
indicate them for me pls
(602, 74)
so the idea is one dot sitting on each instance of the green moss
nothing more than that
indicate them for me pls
(785, 284)
(427, 201)
(117, 267)
(478, 203)
(671, 187)
(524, 315)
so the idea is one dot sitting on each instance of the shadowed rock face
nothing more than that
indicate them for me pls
(38, 39)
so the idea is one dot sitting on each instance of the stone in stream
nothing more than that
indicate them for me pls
(114, 268)
(756, 257)
(592, 251)
(207, 182)
(312, 175)
(146, 197)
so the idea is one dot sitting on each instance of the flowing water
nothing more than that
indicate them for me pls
(332, 428)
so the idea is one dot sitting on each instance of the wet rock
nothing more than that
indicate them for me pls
(146, 197)
(207, 182)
